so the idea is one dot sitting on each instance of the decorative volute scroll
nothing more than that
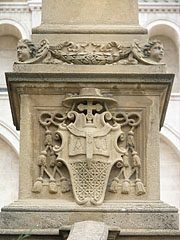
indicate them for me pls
(91, 53)
(89, 142)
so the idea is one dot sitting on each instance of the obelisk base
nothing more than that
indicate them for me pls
(53, 219)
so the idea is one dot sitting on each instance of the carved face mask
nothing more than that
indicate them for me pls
(23, 52)
(157, 52)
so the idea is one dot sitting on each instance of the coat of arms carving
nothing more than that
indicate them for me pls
(89, 141)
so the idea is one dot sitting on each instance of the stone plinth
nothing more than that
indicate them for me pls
(90, 17)
(122, 215)
(89, 101)
(90, 21)
(34, 93)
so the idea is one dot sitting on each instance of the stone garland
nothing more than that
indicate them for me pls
(91, 53)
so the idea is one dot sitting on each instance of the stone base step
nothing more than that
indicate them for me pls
(62, 234)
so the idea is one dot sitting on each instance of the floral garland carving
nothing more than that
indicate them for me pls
(89, 53)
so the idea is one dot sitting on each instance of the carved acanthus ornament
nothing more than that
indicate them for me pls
(90, 53)
(89, 141)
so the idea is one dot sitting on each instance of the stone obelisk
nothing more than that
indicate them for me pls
(89, 94)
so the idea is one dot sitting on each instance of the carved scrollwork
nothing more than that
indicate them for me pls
(90, 53)
(49, 165)
(46, 118)
(127, 170)
(88, 141)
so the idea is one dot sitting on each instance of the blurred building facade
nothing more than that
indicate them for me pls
(161, 18)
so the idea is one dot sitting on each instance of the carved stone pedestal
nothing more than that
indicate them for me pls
(90, 151)
(89, 96)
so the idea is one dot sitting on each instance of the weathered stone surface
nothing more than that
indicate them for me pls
(94, 12)
(90, 53)
(84, 21)
(88, 230)
(66, 120)
(52, 234)
(42, 214)
(76, 69)
(147, 96)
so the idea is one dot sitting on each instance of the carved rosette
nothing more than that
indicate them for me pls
(89, 142)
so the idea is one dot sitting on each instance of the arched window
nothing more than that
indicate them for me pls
(170, 172)
(9, 174)
(9, 37)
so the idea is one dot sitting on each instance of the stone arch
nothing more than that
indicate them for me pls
(168, 33)
(9, 171)
(19, 30)
(9, 136)
(9, 174)
(10, 33)
(165, 27)
(171, 137)
(169, 172)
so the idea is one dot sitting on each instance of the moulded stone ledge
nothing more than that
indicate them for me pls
(25, 214)
(66, 68)
(89, 29)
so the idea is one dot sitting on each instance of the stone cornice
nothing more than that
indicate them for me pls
(32, 5)
(159, 7)
(20, 6)
(21, 83)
